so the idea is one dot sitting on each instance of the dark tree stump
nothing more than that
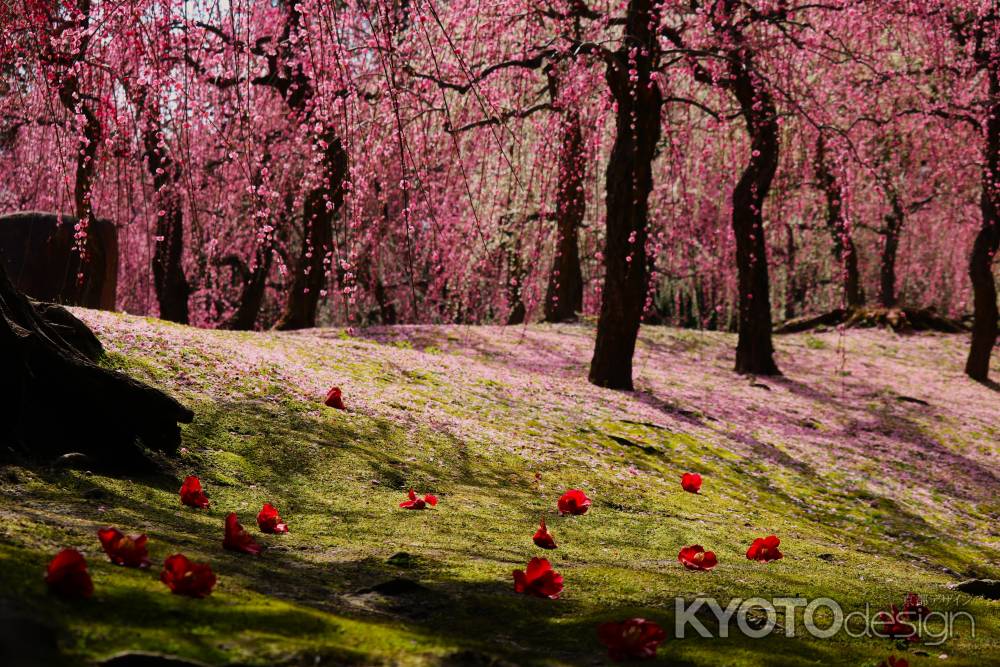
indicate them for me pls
(54, 399)
(38, 251)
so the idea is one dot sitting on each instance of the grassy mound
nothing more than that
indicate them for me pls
(874, 460)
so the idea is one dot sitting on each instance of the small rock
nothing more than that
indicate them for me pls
(827, 557)
(984, 588)
(73, 460)
(760, 385)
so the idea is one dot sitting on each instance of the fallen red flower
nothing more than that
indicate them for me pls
(237, 538)
(269, 521)
(695, 557)
(574, 501)
(542, 538)
(415, 503)
(634, 639)
(765, 549)
(122, 549)
(334, 399)
(184, 577)
(913, 606)
(895, 624)
(67, 575)
(538, 579)
(691, 482)
(191, 493)
(893, 661)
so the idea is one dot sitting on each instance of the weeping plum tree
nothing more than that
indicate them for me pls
(629, 180)
(252, 114)
(973, 29)
(172, 288)
(286, 73)
(836, 222)
(740, 48)
(62, 35)
(564, 293)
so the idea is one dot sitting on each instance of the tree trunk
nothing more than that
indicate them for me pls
(890, 247)
(790, 278)
(754, 349)
(86, 165)
(843, 244)
(984, 249)
(321, 206)
(564, 296)
(169, 281)
(54, 399)
(86, 154)
(629, 182)
(252, 296)
(515, 283)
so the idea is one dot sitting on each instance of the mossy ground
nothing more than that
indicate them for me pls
(498, 423)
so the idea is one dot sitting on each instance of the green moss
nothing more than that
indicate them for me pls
(814, 343)
(337, 478)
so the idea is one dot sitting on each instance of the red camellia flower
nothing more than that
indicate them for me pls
(334, 399)
(191, 493)
(183, 577)
(893, 661)
(695, 557)
(415, 503)
(574, 501)
(896, 624)
(542, 537)
(237, 538)
(268, 520)
(765, 549)
(914, 607)
(538, 579)
(67, 575)
(634, 639)
(691, 482)
(122, 549)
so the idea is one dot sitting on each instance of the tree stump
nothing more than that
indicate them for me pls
(54, 398)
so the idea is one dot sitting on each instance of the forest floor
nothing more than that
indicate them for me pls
(874, 460)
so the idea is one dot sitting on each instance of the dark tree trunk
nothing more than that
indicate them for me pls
(754, 349)
(244, 318)
(55, 400)
(254, 278)
(386, 309)
(86, 165)
(890, 247)
(564, 296)
(321, 206)
(629, 182)
(984, 249)
(790, 277)
(843, 244)
(169, 281)
(86, 153)
(514, 274)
